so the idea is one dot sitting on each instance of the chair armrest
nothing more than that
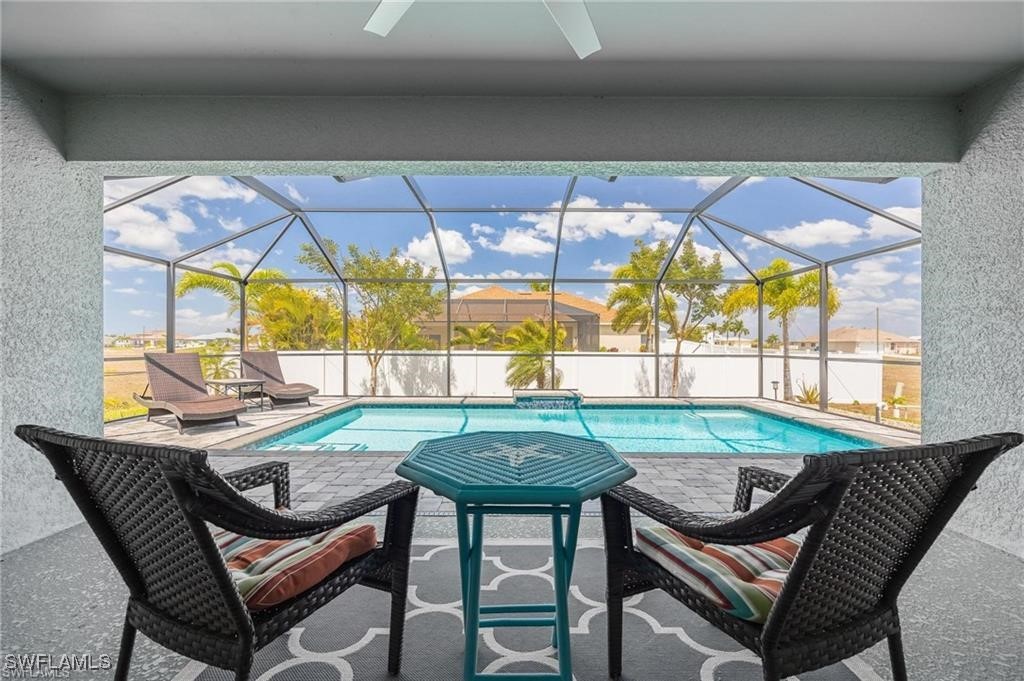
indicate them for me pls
(657, 509)
(270, 473)
(332, 516)
(236, 513)
(761, 524)
(761, 478)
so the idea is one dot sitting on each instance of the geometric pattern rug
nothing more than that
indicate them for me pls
(663, 641)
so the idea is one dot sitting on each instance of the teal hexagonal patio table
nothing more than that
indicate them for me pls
(526, 473)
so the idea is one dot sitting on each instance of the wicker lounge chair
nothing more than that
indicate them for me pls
(267, 367)
(149, 507)
(871, 516)
(176, 382)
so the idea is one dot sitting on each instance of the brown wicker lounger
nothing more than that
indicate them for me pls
(267, 367)
(176, 381)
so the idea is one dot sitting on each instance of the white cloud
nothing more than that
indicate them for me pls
(912, 279)
(518, 241)
(193, 321)
(114, 261)
(880, 228)
(841, 232)
(294, 193)
(229, 252)
(106, 282)
(582, 226)
(861, 311)
(424, 250)
(141, 313)
(118, 188)
(827, 231)
(868, 278)
(504, 274)
(205, 187)
(710, 183)
(134, 227)
(598, 266)
(461, 291)
(708, 253)
(479, 229)
(127, 291)
(138, 281)
(231, 224)
(154, 222)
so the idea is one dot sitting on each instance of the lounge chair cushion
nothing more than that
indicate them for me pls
(271, 571)
(745, 581)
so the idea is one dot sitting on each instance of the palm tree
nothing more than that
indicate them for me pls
(714, 329)
(540, 286)
(227, 289)
(784, 297)
(734, 326)
(531, 341)
(634, 302)
(299, 319)
(772, 341)
(479, 336)
(258, 286)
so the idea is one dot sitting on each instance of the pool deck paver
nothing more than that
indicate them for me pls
(318, 479)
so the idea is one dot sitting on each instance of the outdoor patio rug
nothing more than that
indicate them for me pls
(347, 640)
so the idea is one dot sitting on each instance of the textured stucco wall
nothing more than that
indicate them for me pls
(739, 130)
(51, 293)
(973, 318)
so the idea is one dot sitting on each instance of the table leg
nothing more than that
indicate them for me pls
(564, 551)
(470, 555)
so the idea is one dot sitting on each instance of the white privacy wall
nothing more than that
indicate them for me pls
(973, 318)
(482, 374)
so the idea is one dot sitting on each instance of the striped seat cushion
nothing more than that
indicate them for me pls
(271, 571)
(744, 581)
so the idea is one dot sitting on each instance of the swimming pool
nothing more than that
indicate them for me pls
(698, 429)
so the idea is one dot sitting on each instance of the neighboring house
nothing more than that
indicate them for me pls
(588, 323)
(719, 342)
(147, 339)
(859, 340)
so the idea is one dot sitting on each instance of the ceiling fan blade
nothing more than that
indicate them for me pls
(386, 15)
(574, 21)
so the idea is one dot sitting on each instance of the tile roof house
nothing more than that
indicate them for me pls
(588, 323)
(862, 340)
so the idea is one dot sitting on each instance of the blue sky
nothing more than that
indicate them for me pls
(510, 243)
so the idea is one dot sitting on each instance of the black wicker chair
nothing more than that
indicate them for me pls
(871, 517)
(149, 507)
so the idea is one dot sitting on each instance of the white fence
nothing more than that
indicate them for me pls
(482, 373)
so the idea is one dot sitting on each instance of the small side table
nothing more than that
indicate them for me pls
(242, 387)
(530, 473)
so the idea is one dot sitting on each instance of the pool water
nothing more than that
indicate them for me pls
(696, 429)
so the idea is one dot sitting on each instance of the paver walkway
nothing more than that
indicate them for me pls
(693, 484)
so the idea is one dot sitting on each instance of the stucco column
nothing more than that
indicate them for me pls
(973, 302)
(51, 306)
